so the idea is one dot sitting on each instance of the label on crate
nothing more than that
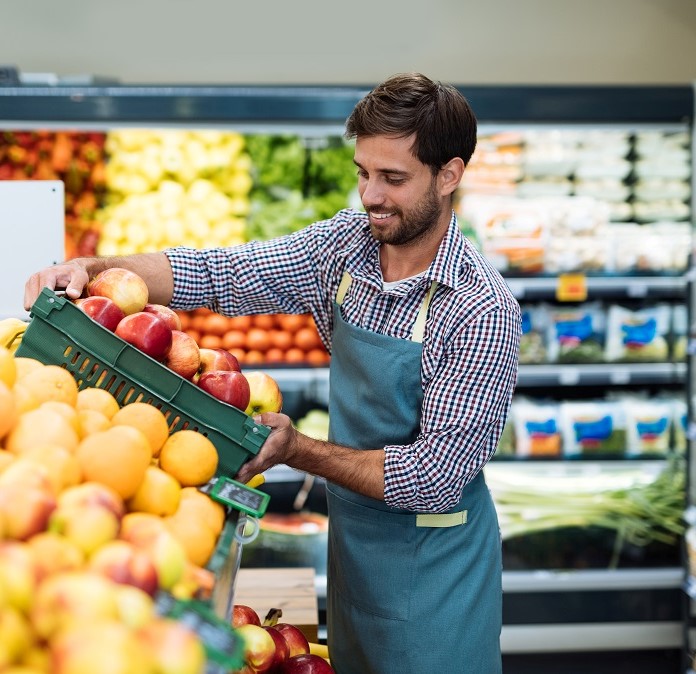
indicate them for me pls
(222, 646)
(239, 496)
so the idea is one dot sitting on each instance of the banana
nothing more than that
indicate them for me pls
(11, 331)
(319, 649)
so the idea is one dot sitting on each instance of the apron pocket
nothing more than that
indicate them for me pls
(371, 557)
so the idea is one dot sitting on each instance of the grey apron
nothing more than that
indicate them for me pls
(407, 593)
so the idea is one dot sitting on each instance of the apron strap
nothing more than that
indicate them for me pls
(343, 286)
(419, 325)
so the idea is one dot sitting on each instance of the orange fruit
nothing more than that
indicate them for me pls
(8, 368)
(274, 355)
(190, 457)
(68, 412)
(6, 458)
(158, 493)
(193, 333)
(307, 339)
(265, 321)
(317, 357)
(257, 339)
(39, 427)
(281, 339)
(8, 409)
(210, 341)
(51, 382)
(148, 419)
(210, 513)
(198, 541)
(98, 399)
(62, 465)
(26, 365)
(241, 323)
(24, 399)
(292, 322)
(254, 357)
(234, 339)
(117, 457)
(215, 324)
(295, 355)
(92, 421)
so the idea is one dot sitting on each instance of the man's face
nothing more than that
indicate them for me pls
(399, 193)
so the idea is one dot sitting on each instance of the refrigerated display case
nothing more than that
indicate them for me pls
(570, 590)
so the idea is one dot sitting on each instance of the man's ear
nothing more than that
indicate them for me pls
(451, 175)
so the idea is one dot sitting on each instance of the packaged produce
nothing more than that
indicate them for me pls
(576, 334)
(537, 428)
(593, 428)
(534, 333)
(648, 426)
(638, 335)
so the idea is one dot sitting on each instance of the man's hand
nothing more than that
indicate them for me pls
(71, 276)
(280, 446)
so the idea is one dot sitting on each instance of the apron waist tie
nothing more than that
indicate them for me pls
(441, 519)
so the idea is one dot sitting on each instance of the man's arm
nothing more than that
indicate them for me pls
(359, 470)
(73, 276)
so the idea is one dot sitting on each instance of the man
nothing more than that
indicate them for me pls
(423, 335)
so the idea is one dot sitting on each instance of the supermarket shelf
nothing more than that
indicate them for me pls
(254, 105)
(614, 287)
(602, 374)
(595, 579)
(591, 637)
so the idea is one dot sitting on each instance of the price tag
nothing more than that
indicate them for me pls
(222, 646)
(239, 496)
(571, 288)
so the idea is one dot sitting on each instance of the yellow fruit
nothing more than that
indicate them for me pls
(62, 465)
(51, 382)
(26, 365)
(198, 541)
(25, 400)
(117, 457)
(158, 493)
(98, 399)
(8, 410)
(210, 513)
(39, 427)
(190, 457)
(92, 421)
(146, 418)
(8, 368)
(68, 412)
(6, 458)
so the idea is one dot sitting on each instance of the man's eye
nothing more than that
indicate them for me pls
(395, 181)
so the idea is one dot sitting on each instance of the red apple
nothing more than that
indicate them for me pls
(170, 317)
(264, 393)
(146, 332)
(229, 387)
(295, 639)
(259, 647)
(282, 651)
(103, 310)
(306, 663)
(213, 360)
(184, 357)
(128, 290)
(244, 615)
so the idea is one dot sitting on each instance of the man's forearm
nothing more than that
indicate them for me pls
(361, 471)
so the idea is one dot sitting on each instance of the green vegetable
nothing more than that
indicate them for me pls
(639, 507)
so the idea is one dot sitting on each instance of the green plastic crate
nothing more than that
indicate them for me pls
(60, 333)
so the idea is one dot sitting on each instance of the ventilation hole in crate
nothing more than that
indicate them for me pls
(185, 425)
(174, 424)
(130, 396)
(101, 379)
(81, 366)
(119, 388)
(67, 352)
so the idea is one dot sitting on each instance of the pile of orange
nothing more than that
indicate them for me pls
(259, 339)
(54, 436)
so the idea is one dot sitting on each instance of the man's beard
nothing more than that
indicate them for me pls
(415, 222)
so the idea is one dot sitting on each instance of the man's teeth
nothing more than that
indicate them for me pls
(381, 216)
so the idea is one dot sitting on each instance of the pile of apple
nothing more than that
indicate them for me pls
(274, 647)
(118, 299)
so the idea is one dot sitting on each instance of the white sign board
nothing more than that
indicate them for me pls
(32, 236)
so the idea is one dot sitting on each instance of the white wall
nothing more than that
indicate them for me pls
(358, 42)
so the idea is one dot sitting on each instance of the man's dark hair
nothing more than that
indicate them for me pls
(438, 114)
